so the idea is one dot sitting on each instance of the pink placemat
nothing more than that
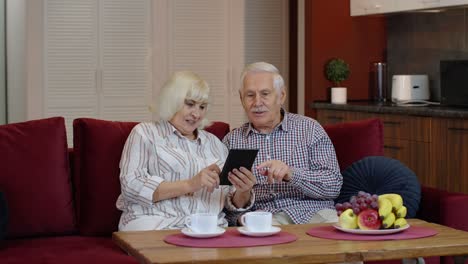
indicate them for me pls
(231, 238)
(332, 233)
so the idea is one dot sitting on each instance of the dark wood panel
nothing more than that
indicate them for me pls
(397, 149)
(420, 162)
(436, 149)
(361, 116)
(438, 153)
(415, 155)
(325, 117)
(457, 155)
(407, 127)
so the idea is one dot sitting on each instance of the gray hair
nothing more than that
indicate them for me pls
(278, 81)
(181, 86)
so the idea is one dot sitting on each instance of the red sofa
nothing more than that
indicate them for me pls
(61, 201)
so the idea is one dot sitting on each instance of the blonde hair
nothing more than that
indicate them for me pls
(181, 86)
(278, 81)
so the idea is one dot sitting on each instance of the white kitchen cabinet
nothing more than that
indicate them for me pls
(369, 7)
(451, 3)
(412, 5)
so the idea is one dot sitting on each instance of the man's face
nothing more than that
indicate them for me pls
(261, 101)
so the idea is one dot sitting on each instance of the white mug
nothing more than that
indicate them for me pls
(202, 223)
(257, 221)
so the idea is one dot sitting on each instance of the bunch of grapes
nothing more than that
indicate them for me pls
(359, 203)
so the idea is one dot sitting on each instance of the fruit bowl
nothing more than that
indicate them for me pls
(372, 213)
(371, 232)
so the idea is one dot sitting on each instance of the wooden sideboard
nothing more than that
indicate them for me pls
(435, 148)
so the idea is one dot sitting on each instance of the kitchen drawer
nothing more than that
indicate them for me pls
(450, 154)
(325, 117)
(414, 155)
(407, 127)
(336, 116)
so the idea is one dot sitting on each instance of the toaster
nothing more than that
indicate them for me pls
(410, 88)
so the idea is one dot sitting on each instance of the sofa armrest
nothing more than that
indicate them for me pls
(443, 207)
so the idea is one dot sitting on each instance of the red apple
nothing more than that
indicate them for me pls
(369, 220)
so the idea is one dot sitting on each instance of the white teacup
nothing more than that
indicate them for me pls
(202, 223)
(257, 221)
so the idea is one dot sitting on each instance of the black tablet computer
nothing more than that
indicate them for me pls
(237, 158)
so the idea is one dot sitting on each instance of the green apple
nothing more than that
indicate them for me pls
(348, 219)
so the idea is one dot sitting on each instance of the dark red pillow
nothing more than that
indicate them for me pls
(356, 140)
(219, 129)
(34, 177)
(98, 145)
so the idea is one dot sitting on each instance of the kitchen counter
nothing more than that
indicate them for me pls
(430, 140)
(391, 108)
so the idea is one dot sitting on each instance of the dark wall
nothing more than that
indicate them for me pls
(330, 32)
(418, 41)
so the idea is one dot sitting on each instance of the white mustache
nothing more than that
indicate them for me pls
(259, 109)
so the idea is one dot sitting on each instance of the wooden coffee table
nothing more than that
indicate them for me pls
(149, 247)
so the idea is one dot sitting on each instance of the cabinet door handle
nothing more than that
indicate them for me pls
(392, 123)
(458, 129)
(392, 147)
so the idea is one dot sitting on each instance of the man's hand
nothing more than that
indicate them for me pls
(243, 179)
(275, 170)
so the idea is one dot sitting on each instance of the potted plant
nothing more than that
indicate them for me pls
(336, 71)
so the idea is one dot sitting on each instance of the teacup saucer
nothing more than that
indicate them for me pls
(188, 232)
(274, 230)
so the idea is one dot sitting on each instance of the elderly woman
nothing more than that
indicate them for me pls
(170, 169)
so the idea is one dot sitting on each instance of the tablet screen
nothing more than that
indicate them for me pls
(237, 158)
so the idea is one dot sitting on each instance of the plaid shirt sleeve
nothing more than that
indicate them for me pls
(322, 179)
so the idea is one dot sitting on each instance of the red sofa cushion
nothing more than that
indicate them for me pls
(35, 178)
(219, 129)
(356, 140)
(443, 207)
(67, 249)
(98, 145)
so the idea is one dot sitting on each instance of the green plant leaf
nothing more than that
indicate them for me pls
(336, 71)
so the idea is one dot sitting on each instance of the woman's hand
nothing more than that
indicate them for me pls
(207, 178)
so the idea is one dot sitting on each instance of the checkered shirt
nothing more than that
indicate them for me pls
(304, 146)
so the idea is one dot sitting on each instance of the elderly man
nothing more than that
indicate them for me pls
(296, 168)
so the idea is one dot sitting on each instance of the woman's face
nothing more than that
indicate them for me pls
(188, 119)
